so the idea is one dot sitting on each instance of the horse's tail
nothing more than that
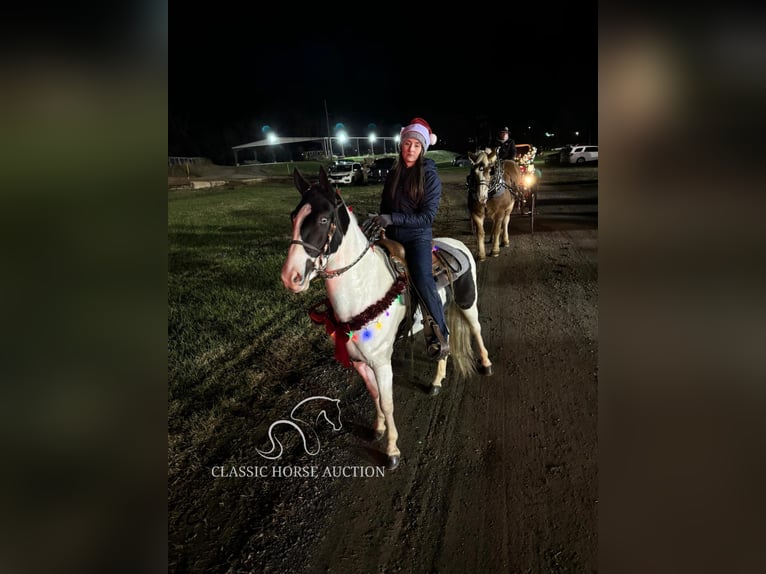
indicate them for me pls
(462, 353)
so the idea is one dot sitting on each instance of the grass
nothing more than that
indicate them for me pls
(240, 346)
(229, 316)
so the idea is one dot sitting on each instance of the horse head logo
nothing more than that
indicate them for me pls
(325, 407)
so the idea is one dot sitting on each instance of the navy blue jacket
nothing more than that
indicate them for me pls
(413, 220)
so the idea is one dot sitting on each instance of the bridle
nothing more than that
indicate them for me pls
(496, 185)
(322, 258)
(479, 182)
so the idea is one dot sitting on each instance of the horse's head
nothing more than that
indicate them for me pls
(483, 169)
(334, 416)
(319, 223)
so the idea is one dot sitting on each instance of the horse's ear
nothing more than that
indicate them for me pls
(323, 180)
(300, 182)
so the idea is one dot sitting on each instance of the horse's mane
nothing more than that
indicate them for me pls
(485, 157)
(511, 171)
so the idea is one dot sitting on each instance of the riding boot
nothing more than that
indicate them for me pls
(437, 345)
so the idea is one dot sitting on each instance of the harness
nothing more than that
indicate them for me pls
(497, 185)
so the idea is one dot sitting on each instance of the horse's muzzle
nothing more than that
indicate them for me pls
(293, 279)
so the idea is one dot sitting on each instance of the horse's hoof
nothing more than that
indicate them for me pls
(485, 371)
(393, 462)
(495, 254)
(435, 390)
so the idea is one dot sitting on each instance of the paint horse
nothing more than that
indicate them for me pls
(364, 308)
(491, 188)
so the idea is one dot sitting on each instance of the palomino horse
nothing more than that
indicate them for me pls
(364, 306)
(490, 196)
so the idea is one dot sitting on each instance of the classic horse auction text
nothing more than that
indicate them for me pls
(247, 471)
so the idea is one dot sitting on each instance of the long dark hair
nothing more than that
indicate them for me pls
(414, 179)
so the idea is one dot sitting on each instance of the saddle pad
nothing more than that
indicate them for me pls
(448, 258)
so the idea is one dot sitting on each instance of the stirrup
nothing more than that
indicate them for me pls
(437, 345)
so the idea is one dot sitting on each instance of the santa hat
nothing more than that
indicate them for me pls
(421, 131)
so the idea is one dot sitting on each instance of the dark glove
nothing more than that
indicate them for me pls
(383, 220)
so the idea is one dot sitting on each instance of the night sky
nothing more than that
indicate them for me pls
(532, 68)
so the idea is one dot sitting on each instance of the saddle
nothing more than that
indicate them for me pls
(447, 262)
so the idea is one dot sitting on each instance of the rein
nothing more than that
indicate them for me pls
(336, 272)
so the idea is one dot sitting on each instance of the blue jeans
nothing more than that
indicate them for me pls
(419, 263)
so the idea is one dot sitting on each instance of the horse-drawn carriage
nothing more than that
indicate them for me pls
(495, 188)
(527, 187)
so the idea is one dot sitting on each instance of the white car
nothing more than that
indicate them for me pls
(580, 154)
(461, 161)
(347, 173)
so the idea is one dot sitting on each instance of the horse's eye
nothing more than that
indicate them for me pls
(324, 220)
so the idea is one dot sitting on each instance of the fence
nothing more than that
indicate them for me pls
(176, 160)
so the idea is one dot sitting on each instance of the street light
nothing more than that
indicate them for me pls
(372, 143)
(273, 140)
(342, 138)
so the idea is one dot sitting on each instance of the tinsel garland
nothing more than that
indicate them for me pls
(323, 312)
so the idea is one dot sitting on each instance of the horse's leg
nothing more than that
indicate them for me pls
(478, 222)
(497, 222)
(385, 377)
(472, 315)
(441, 373)
(379, 382)
(506, 224)
(368, 376)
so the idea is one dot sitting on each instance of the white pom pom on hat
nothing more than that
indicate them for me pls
(420, 130)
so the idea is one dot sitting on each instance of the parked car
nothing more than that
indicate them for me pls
(379, 169)
(579, 154)
(461, 161)
(347, 173)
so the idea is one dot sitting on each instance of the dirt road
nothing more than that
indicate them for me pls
(498, 474)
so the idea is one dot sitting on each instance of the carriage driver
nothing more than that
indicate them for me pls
(506, 146)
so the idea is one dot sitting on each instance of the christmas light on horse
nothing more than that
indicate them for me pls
(366, 297)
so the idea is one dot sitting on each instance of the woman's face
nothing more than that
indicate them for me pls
(411, 150)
